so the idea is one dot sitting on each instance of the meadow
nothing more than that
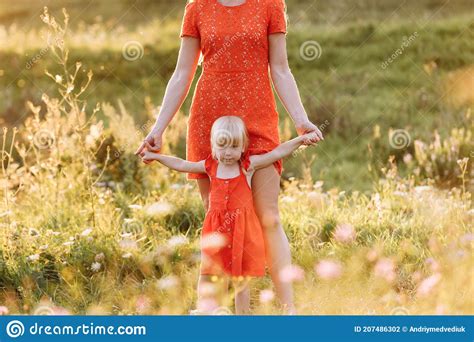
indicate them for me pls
(379, 215)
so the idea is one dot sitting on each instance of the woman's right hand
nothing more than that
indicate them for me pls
(152, 143)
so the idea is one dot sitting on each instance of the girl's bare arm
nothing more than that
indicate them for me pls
(176, 163)
(282, 151)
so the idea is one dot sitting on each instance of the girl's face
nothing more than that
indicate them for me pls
(229, 153)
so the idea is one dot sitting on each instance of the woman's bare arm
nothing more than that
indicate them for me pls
(176, 90)
(286, 86)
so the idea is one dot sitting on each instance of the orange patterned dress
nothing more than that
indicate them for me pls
(235, 72)
(232, 238)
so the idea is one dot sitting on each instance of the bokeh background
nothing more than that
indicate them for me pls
(379, 215)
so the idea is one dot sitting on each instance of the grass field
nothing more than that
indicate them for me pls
(379, 216)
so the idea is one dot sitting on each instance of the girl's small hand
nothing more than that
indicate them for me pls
(147, 156)
(309, 138)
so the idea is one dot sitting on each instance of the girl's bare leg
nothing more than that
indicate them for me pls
(242, 297)
(265, 188)
(205, 283)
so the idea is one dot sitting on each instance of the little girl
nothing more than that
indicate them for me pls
(232, 244)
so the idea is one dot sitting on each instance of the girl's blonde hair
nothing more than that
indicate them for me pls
(228, 130)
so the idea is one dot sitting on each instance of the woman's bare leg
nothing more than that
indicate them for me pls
(265, 188)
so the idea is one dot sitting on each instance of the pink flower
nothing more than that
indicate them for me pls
(266, 296)
(328, 269)
(291, 273)
(385, 268)
(345, 233)
(142, 303)
(207, 305)
(3, 310)
(427, 285)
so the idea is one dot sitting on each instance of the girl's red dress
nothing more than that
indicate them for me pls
(235, 72)
(232, 239)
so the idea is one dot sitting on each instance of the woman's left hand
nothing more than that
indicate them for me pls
(308, 127)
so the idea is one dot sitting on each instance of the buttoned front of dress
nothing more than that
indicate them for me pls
(231, 214)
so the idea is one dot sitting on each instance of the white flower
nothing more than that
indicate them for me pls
(159, 209)
(58, 78)
(177, 240)
(135, 206)
(128, 244)
(33, 257)
(95, 266)
(126, 255)
(86, 232)
(288, 199)
(167, 282)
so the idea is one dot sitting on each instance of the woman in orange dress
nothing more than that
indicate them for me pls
(240, 41)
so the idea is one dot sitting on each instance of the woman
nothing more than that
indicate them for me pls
(239, 40)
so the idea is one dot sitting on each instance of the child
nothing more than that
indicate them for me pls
(232, 244)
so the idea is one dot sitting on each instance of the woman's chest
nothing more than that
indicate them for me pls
(223, 28)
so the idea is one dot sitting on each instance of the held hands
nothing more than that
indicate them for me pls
(309, 138)
(148, 156)
(307, 127)
(151, 143)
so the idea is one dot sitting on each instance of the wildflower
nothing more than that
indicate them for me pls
(127, 255)
(128, 244)
(317, 199)
(207, 305)
(135, 206)
(344, 233)
(167, 282)
(159, 209)
(434, 265)
(427, 285)
(266, 296)
(86, 232)
(33, 257)
(142, 303)
(58, 79)
(328, 269)
(95, 267)
(291, 273)
(385, 268)
(3, 310)
(372, 255)
(177, 240)
(288, 199)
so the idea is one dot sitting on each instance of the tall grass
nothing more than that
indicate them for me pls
(88, 229)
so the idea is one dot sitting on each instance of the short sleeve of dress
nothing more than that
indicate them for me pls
(189, 25)
(208, 164)
(245, 160)
(277, 16)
